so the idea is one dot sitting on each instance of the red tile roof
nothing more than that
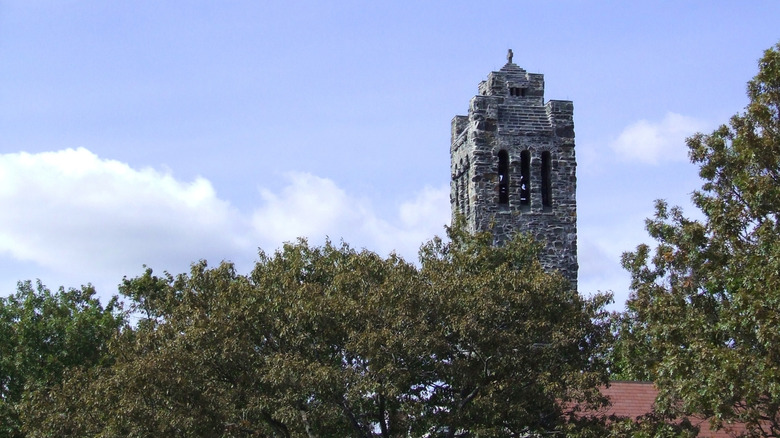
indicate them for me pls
(635, 399)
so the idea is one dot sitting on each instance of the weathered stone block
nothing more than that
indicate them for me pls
(539, 181)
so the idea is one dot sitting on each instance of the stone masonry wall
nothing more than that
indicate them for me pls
(509, 114)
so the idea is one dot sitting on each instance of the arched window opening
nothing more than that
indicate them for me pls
(546, 183)
(466, 200)
(503, 177)
(462, 194)
(525, 178)
(456, 194)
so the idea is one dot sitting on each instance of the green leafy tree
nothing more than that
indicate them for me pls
(520, 342)
(329, 341)
(44, 336)
(704, 315)
(192, 366)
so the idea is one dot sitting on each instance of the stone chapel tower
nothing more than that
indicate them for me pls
(513, 166)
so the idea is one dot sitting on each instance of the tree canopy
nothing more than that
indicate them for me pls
(43, 335)
(703, 320)
(330, 341)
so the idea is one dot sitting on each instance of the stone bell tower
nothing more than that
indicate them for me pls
(513, 165)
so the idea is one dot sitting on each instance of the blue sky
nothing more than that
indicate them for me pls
(161, 133)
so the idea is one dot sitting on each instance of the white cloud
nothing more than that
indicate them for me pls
(307, 206)
(316, 207)
(430, 205)
(653, 142)
(420, 219)
(71, 210)
(77, 216)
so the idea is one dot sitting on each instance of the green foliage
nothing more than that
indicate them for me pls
(650, 425)
(329, 341)
(45, 336)
(704, 316)
(519, 342)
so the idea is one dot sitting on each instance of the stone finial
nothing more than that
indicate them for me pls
(509, 56)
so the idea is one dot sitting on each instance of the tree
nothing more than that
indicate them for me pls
(329, 341)
(46, 335)
(520, 342)
(705, 307)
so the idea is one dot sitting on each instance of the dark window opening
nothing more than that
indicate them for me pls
(466, 200)
(463, 200)
(546, 184)
(456, 197)
(525, 178)
(503, 177)
(517, 91)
